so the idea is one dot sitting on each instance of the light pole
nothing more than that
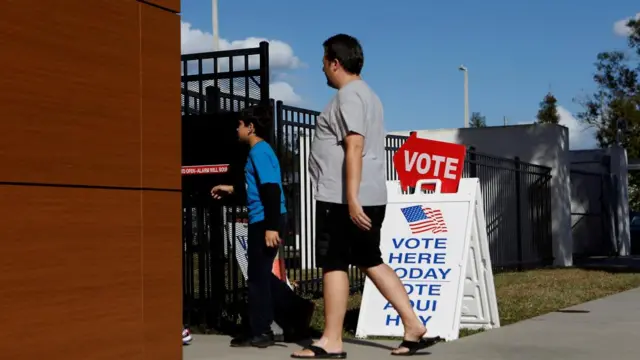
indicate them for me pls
(466, 94)
(216, 35)
(214, 22)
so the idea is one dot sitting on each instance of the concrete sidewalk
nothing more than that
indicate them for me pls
(601, 329)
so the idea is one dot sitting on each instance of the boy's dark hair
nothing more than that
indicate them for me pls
(347, 50)
(261, 117)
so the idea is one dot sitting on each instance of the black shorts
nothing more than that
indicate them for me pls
(340, 243)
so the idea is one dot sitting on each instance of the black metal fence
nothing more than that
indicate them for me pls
(516, 196)
(517, 205)
(225, 80)
(214, 286)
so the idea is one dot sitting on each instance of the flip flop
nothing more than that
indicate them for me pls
(412, 346)
(320, 353)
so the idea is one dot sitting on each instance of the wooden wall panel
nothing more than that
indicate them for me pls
(160, 121)
(162, 274)
(70, 92)
(85, 272)
(173, 5)
(160, 168)
(70, 273)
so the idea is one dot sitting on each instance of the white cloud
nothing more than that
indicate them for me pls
(281, 58)
(281, 54)
(581, 137)
(620, 27)
(281, 90)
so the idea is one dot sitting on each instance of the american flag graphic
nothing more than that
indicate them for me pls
(423, 219)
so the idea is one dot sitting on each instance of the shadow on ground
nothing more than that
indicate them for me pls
(620, 264)
(350, 325)
(374, 344)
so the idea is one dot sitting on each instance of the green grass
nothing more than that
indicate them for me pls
(523, 295)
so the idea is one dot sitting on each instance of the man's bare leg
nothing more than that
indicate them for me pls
(390, 286)
(336, 296)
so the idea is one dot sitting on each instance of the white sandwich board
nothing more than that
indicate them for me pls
(437, 244)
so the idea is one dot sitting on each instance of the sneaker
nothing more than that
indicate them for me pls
(186, 336)
(240, 341)
(261, 341)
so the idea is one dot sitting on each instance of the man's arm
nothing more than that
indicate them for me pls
(354, 144)
(351, 134)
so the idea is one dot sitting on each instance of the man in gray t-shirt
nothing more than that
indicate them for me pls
(347, 166)
(354, 109)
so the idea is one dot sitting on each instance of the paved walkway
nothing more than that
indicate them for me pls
(601, 329)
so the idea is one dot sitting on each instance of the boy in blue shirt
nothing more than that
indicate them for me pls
(267, 218)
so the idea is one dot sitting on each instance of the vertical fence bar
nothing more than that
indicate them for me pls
(473, 166)
(604, 215)
(288, 182)
(279, 133)
(212, 104)
(200, 247)
(273, 138)
(187, 265)
(518, 184)
(198, 100)
(264, 72)
(247, 99)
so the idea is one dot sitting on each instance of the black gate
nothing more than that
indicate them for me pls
(214, 85)
(591, 214)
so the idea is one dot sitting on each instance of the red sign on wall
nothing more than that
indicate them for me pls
(205, 169)
(423, 159)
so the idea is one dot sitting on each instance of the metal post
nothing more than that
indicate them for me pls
(473, 162)
(214, 23)
(518, 213)
(273, 135)
(212, 96)
(216, 33)
(466, 99)
(466, 94)
(279, 131)
(264, 76)
(187, 260)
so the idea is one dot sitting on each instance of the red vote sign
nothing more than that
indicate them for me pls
(423, 159)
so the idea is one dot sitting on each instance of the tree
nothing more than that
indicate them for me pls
(548, 113)
(614, 108)
(477, 120)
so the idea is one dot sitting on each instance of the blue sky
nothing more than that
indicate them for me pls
(515, 51)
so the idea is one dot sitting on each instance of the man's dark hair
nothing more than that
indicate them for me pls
(347, 50)
(261, 117)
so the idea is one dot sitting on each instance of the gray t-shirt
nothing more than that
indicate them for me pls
(355, 108)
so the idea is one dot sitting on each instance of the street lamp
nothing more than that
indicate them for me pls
(214, 25)
(466, 94)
